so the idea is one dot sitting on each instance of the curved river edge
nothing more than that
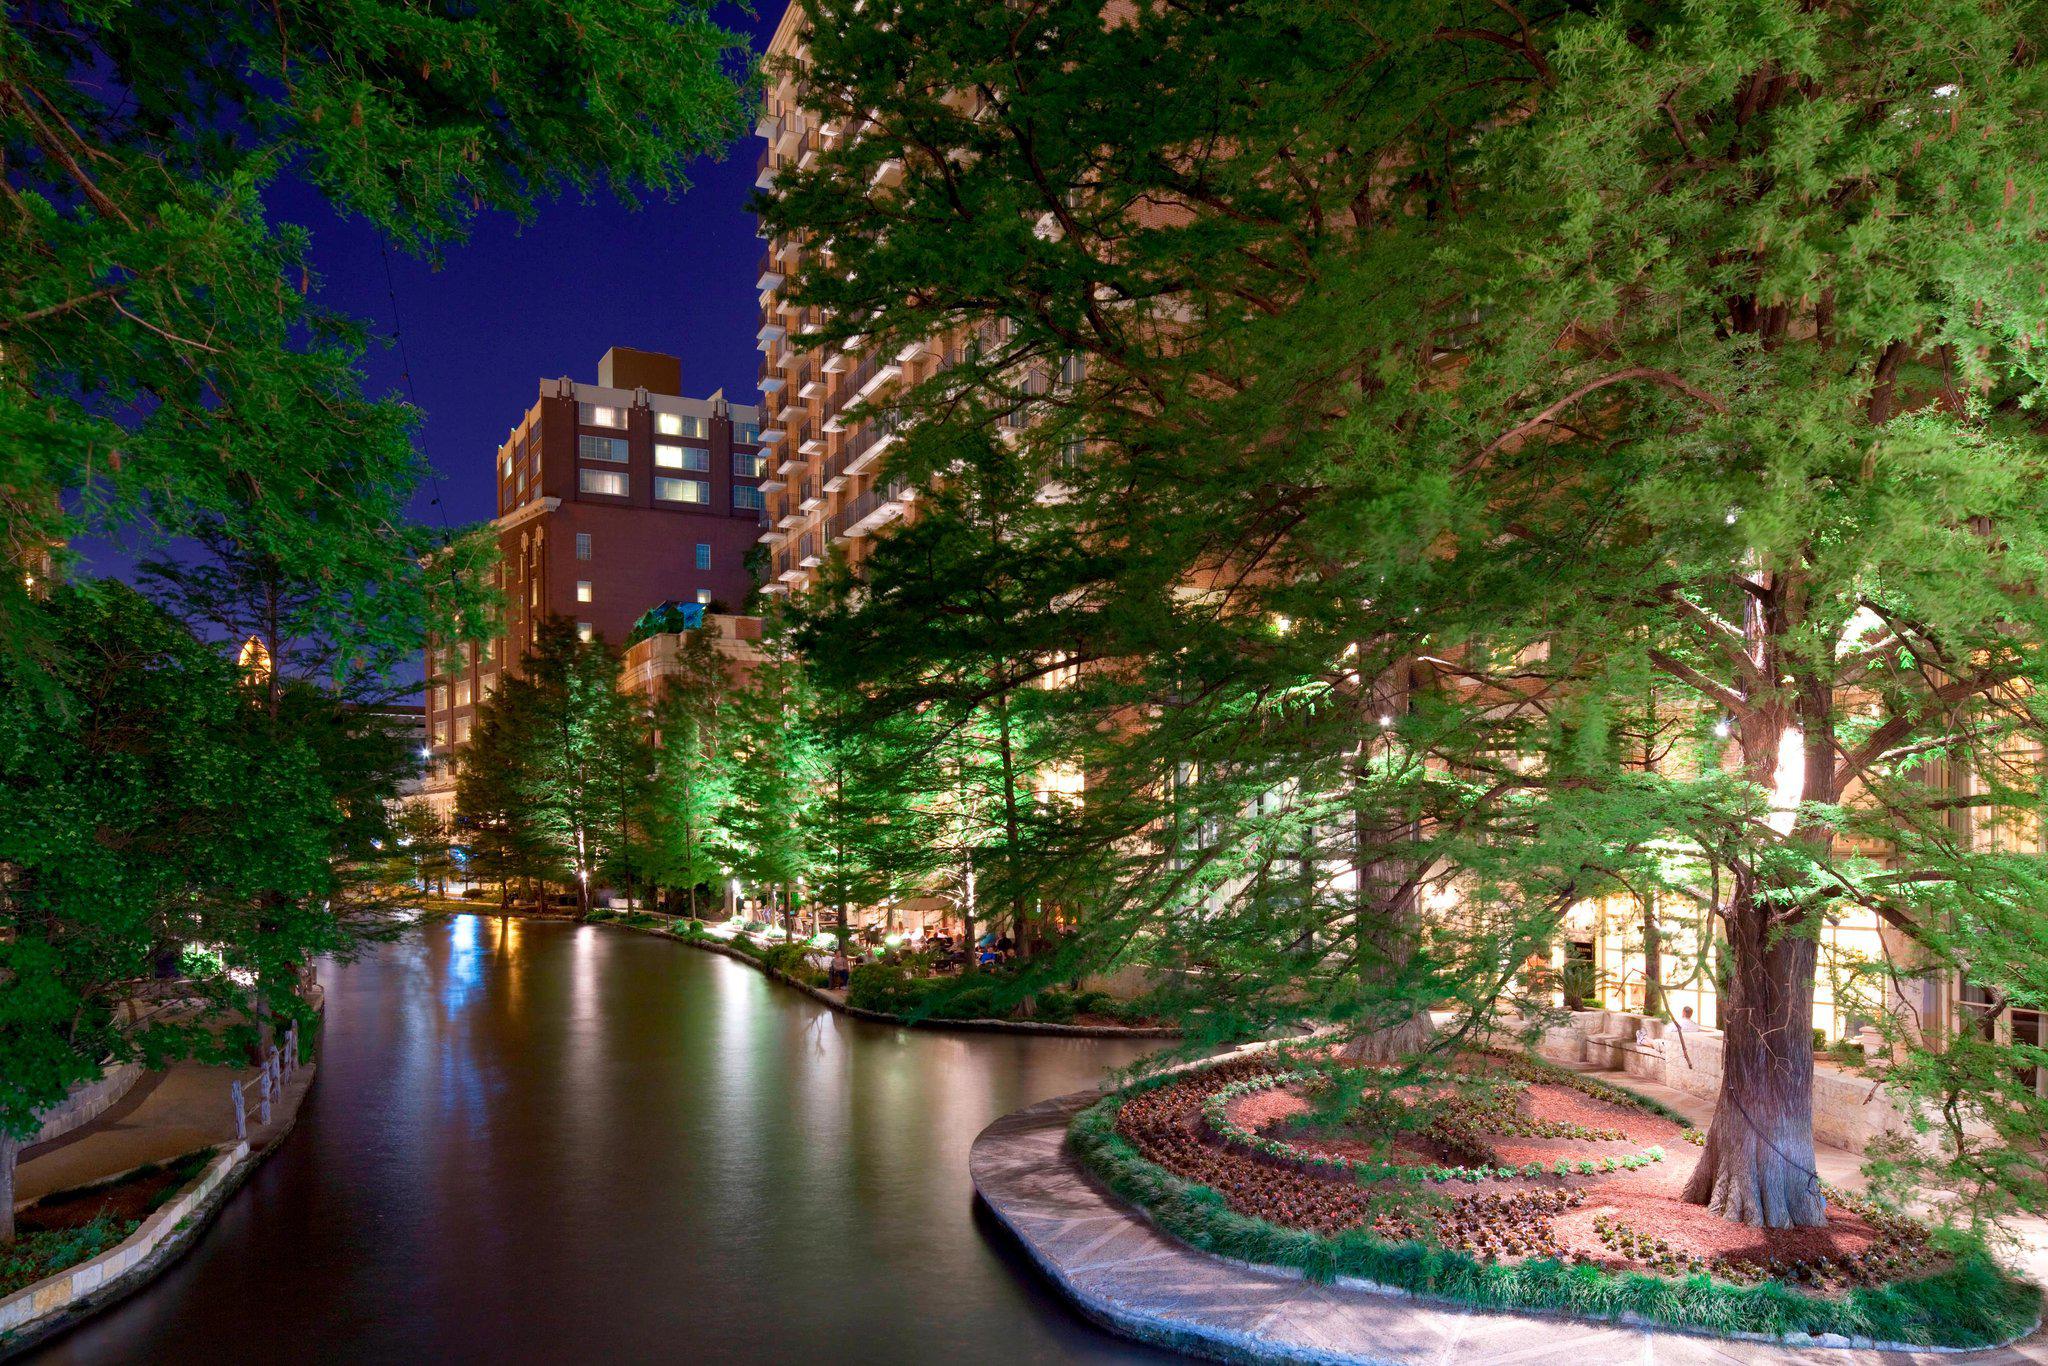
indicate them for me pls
(1124, 1273)
(60, 1302)
(838, 1001)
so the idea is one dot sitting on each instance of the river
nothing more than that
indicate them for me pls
(533, 1141)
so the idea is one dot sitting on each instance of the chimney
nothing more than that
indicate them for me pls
(625, 368)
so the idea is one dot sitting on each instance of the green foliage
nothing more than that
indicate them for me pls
(34, 1256)
(1576, 382)
(151, 806)
(560, 769)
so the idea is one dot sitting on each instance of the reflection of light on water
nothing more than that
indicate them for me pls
(465, 965)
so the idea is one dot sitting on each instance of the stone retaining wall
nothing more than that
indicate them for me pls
(87, 1102)
(57, 1293)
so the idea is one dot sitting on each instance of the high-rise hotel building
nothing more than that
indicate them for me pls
(823, 486)
(613, 498)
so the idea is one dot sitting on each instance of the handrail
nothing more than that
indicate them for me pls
(277, 1068)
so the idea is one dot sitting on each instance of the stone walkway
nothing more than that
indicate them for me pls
(1127, 1275)
(166, 1115)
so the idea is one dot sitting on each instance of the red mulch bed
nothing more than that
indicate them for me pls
(132, 1198)
(1646, 1201)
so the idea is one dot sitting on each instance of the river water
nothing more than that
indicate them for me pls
(533, 1141)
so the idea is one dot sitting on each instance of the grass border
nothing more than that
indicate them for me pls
(1972, 1304)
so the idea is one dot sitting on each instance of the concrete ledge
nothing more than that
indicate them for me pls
(1131, 1277)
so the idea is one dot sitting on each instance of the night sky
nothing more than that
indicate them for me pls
(516, 305)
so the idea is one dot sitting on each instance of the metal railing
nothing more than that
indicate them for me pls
(277, 1068)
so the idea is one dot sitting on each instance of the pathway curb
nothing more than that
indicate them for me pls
(1131, 1277)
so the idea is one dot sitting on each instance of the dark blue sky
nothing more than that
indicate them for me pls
(515, 305)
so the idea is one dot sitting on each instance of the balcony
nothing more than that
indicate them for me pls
(875, 509)
(770, 380)
(810, 551)
(809, 494)
(768, 275)
(764, 173)
(870, 440)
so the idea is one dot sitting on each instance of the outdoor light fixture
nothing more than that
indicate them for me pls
(1721, 728)
(1386, 721)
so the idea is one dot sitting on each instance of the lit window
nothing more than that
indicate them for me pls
(599, 415)
(490, 649)
(486, 684)
(703, 555)
(582, 545)
(583, 632)
(583, 590)
(748, 464)
(693, 458)
(462, 693)
(505, 467)
(441, 697)
(747, 498)
(682, 490)
(612, 448)
(704, 597)
(440, 732)
(607, 482)
(462, 730)
(679, 424)
(747, 432)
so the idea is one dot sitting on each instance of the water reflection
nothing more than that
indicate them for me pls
(538, 1142)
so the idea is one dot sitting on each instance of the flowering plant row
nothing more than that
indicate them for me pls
(1215, 1112)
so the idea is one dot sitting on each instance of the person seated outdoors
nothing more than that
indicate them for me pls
(840, 971)
(1006, 948)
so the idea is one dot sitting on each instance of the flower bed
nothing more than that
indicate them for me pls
(1216, 1111)
(1577, 1230)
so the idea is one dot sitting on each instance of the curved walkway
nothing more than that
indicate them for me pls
(1129, 1276)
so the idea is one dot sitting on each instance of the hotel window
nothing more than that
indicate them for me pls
(691, 458)
(486, 684)
(582, 545)
(601, 448)
(748, 432)
(462, 730)
(680, 424)
(440, 732)
(703, 555)
(462, 693)
(441, 697)
(704, 597)
(583, 632)
(583, 590)
(607, 482)
(747, 498)
(682, 490)
(488, 650)
(599, 415)
(748, 464)
(505, 467)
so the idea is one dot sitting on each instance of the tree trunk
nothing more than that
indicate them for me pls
(1758, 1164)
(1386, 911)
(8, 1149)
(1653, 965)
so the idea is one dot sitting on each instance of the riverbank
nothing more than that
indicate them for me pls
(159, 1129)
(664, 927)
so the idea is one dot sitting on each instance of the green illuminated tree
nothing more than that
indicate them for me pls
(693, 785)
(1443, 381)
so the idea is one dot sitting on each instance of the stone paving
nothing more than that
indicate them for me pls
(165, 1116)
(1126, 1274)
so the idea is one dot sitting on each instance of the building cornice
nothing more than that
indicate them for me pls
(520, 516)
